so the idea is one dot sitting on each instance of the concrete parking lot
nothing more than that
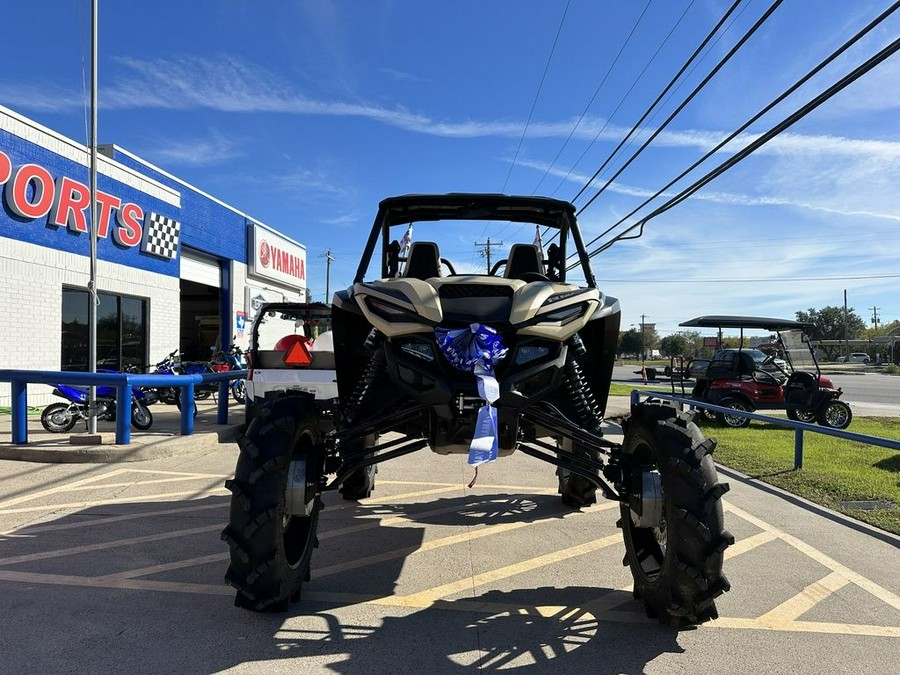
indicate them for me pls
(118, 567)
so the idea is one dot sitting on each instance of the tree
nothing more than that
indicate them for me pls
(828, 323)
(630, 342)
(678, 344)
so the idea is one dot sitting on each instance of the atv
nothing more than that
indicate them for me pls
(517, 357)
(795, 384)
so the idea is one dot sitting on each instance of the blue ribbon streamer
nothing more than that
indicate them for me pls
(477, 349)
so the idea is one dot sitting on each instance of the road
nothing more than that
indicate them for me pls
(859, 387)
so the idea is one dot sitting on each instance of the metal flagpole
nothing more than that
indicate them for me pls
(92, 284)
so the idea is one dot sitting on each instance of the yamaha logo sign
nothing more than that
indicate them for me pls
(277, 258)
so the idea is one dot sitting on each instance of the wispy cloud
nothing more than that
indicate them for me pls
(208, 151)
(710, 196)
(229, 84)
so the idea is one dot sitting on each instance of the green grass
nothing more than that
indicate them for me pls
(834, 470)
(6, 410)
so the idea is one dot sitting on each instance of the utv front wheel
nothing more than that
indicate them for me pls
(275, 505)
(672, 522)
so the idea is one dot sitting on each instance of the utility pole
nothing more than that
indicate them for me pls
(328, 260)
(846, 343)
(642, 339)
(486, 253)
(875, 316)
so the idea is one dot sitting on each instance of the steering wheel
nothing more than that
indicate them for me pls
(497, 266)
(449, 266)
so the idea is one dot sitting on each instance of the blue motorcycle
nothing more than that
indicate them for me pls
(62, 417)
(233, 359)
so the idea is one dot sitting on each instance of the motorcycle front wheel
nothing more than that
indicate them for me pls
(239, 391)
(57, 418)
(141, 417)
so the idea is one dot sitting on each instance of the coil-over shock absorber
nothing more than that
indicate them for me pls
(589, 414)
(375, 368)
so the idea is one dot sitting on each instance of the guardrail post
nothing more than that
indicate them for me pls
(18, 404)
(222, 415)
(798, 448)
(123, 414)
(187, 409)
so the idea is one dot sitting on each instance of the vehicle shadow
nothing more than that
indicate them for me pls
(137, 587)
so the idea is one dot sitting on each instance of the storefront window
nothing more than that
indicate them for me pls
(121, 331)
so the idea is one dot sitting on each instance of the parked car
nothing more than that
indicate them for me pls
(855, 357)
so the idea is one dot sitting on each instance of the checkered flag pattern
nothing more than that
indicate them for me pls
(161, 236)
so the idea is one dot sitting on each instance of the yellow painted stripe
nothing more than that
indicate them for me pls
(416, 518)
(870, 586)
(93, 522)
(465, 605)
(469, 535)
(50, 491)
(106, 545)
(748, 544)
(164, 496)
(166, 567)
(132, 483)
(427, 597)
(536, 489)
(804, 601)
(111, 582)
(179, 473)
(806, 627)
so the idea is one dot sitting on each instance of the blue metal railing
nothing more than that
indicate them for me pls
(798, 427)
(124, 383)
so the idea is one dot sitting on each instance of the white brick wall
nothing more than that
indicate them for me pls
(31, 282)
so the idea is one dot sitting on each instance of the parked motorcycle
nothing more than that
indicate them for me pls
(171, 365)
(62, 417)
(233, 359)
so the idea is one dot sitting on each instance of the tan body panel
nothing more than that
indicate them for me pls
(422, 298)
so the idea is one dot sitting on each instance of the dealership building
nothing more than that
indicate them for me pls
(176, 267)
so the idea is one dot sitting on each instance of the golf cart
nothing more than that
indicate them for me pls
(792, 383)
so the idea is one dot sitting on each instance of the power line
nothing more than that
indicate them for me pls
(603, 81)
(754, 280)
(536, 96)
(766, 137)
(787, 92)
(740, 43)
(674, 79)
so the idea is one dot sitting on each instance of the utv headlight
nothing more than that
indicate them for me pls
(421, 350)
(528, 353)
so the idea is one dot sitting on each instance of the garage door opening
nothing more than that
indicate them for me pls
(199, 320)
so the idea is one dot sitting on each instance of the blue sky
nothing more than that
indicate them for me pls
(305, 114)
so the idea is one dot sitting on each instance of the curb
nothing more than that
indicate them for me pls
(109, 452)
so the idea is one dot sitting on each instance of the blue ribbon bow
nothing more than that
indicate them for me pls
(477, 349)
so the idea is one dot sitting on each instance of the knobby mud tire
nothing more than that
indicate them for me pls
(576, 491)
(359, 484)
(677, 567)
(271, 550)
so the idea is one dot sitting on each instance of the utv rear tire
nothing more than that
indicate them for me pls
(359, 484)
(270, 548)
(577, 491)
(676, 565)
